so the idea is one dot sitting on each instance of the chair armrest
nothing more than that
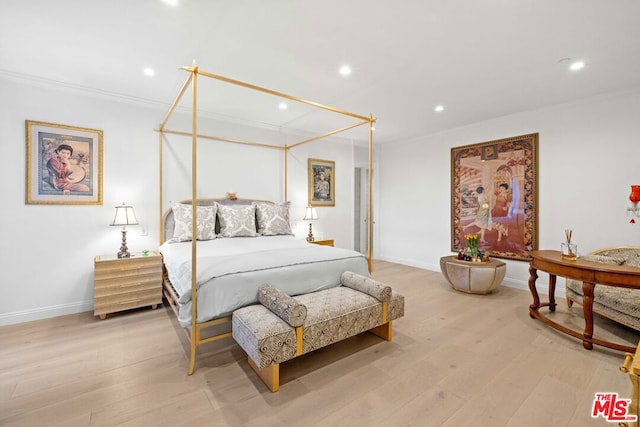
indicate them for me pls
(366, 285)
(282, 305)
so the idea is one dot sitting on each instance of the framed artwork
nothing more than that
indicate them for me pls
(64, 164)
(322, 177)
(494, 194)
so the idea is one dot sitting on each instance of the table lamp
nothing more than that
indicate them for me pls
(310, 215)
(124, 215)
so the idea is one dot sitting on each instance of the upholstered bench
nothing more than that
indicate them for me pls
(619, 304)
(283, 327)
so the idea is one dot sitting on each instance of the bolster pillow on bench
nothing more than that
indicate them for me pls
(366, 285)
(284, 306)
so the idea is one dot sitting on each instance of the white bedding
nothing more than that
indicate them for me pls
(231, 270)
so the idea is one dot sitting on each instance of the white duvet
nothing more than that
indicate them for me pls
(231, 270)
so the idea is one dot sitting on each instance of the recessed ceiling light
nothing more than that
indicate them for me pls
(149, 72)
(282, 106)
(171, 2)
(439, 108)
(345, 70)
(577, 65)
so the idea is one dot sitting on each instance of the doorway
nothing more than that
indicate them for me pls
(361, 213)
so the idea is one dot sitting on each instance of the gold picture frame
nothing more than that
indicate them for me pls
(64, 164)
(494, 193)
(322, 179)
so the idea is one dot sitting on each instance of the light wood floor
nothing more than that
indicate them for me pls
(455, 360)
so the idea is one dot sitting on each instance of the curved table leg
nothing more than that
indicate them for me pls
(533, 276)
(552, 292)
(587, 308)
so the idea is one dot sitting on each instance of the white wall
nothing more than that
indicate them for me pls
(589, 155)
(48, 250)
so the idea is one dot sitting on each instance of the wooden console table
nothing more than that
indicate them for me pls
(589, 273)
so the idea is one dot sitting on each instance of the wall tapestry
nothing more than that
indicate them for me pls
(494, 194)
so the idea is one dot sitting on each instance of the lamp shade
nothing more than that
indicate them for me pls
(310, 214)
(124, 215)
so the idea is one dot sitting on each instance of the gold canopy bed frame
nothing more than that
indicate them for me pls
(194, 334)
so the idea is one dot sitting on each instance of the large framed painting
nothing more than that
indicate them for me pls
(64, 164)
(322, 178)
(494, 195)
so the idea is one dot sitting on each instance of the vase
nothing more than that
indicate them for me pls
(635, 194)
(569, 251)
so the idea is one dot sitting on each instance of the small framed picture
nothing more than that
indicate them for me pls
(64, 164)
(322, 176)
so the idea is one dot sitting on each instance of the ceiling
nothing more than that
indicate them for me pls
(480, 59)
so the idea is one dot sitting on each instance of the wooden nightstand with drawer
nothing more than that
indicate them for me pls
(126, 283)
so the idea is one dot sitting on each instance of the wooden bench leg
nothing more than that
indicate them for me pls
(269, 375)
(383, 331)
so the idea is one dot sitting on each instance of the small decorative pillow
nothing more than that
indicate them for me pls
(287, 308)
(237, 220)
(367, 285)
(273, 219)
(183, 216)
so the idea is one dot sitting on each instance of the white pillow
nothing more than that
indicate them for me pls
(183, 216)
(237, 220)
(273, 219)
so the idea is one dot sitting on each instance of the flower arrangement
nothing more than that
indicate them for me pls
(472, 253)
(472, 241)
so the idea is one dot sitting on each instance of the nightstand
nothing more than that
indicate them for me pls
(125, 283)
(323, 242)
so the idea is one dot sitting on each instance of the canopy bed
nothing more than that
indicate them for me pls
(214, 266)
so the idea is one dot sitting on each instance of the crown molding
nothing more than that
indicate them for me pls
(161, 106)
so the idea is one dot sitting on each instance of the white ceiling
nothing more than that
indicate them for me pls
(479, 58)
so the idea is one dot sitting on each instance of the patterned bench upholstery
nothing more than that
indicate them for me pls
(619, 304)
(283, 327)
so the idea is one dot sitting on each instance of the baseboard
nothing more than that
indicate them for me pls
(44, 312)
(411, 263)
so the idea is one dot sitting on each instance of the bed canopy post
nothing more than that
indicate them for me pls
(161, 129)
(195, 330)
(370, 201)
(160, 184)
(286, 173)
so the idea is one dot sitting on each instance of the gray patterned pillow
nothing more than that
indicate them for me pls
(183, 215)
(237, 220)
(366, 285)
(284, 306)
(273, 219)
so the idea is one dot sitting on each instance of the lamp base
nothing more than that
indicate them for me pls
(310, 237)
(124, 251)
